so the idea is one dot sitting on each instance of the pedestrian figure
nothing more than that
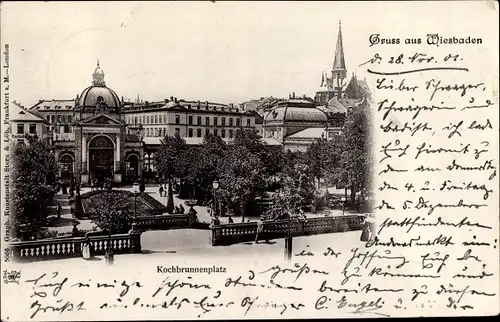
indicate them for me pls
(230, 219)
(109, 255)
(365, 234)
(86, 251)
(161, 191)
(176, 210)
(260, 229)
(64, 188)
(74, 232)
(181, 209)
(59, 210)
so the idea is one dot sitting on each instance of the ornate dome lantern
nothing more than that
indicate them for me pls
(98, 97)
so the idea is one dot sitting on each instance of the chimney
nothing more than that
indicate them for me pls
(289, 96)
(293, 95)
(198, 103)
(175, 99)
(166, 100)
(206, 103)
(230, 105)
(171, 98)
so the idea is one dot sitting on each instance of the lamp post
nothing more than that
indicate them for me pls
(215, 186)
(288, 240)
(343, 205)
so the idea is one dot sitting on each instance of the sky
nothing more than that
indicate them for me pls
(227, 52)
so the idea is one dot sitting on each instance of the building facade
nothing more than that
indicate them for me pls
(23, 122)
(98, 135)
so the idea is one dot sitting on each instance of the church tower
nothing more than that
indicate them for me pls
(333, 86)
(339, 72)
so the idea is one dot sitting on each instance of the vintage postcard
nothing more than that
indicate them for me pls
(248, 160)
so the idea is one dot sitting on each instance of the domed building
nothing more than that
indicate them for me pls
(90, 140)
(100, 135)
(286, 119)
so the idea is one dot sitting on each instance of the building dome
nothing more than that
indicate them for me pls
(98, 95)
(94, 95)
(296, 111)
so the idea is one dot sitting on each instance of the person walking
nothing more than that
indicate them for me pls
(260, 229)
(86, 251)
(230, 220)
(161, 191)
(181, 209)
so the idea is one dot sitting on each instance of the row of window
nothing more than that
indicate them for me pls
(161, 119)
(161, 132)
(60, 118)
(20, 128)
(207, 132)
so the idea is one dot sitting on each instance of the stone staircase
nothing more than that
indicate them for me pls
(63, 200)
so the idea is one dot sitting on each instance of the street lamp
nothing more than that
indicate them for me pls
(288, 240)
(215, 186)
(343, 205)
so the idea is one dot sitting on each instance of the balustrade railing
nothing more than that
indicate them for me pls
(72, 246)
(165, 221)
(226, 234)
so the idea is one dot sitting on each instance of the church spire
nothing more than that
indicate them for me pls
(98, 76)
(339, 71)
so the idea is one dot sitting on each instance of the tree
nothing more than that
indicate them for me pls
(204, 171)
(271, 157)
(297, 192)
(355, 161)
(112, 210)
(316, 158)
(168, 155)
(241, 177)
(33, 171)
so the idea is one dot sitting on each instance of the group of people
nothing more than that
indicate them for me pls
(100, 183)
(74, 186)
(163, 188)
(179, 209)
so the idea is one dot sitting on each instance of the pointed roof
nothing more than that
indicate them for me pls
(339, 60)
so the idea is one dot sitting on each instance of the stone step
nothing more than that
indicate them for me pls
(65, 211)
(62, 202)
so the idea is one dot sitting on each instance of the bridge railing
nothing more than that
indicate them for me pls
(68, 247)
(227, 234)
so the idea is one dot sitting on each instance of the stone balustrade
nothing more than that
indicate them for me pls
(67, 247)
(165, 221)
(226, 234)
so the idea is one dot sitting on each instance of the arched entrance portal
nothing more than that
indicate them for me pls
(133, 168)
(101, 158)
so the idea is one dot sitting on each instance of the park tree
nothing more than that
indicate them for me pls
(316, 158)
(33, 172)
(241, 178)
(168, 155)
(112, 213)
(355, 160)
(211, 153)
(297, 192)
(271, 157)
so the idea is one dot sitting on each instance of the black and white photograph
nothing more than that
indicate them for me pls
(246, 160)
